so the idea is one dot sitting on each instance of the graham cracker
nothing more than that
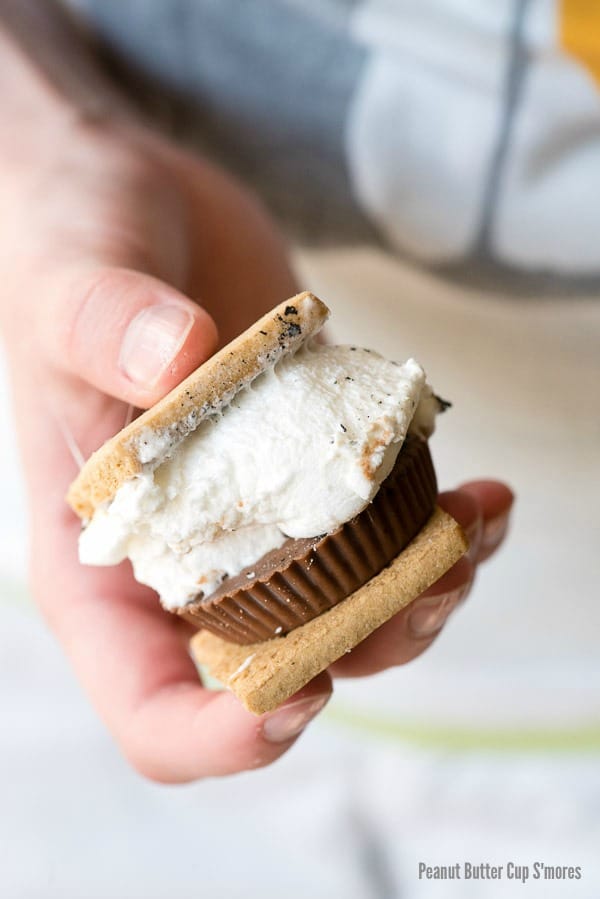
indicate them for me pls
(264, 675)
(153, 436)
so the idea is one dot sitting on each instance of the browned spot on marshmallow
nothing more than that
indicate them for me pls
(379, 438)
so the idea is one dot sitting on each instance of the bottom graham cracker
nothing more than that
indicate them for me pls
(264, 675)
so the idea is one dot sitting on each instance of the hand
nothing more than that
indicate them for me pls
(115, 242)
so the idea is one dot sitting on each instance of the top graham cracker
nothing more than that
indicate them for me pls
(153, 437)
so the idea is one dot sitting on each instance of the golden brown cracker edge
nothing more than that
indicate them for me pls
(264, 675)
(207, 390)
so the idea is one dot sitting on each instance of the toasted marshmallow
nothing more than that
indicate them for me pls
(296, 453)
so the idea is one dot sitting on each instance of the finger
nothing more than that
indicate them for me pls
(495, 500)
(128, 654)
(168, 726)
(411, 631)
(466, 509)
(177, 731)
(126, 333)
(482, 509)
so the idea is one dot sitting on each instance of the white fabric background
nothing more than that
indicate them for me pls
(425, 121)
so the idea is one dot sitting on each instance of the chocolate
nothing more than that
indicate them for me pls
(304, 577)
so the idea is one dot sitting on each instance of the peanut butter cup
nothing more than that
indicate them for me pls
(304, 577)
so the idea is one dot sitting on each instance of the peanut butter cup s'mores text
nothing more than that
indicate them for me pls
(277, 484)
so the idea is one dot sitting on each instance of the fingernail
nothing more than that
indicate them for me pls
(474, 533)
(493, 531)
(291, 720)
(429, 614)
(152, 340)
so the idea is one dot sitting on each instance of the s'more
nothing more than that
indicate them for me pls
(282, 499)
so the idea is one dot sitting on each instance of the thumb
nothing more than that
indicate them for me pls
(126, 333)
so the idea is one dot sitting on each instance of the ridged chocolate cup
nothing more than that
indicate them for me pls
(304, 577)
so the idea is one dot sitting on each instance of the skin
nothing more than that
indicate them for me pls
(101, 219)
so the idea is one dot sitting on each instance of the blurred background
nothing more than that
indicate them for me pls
(458, 175)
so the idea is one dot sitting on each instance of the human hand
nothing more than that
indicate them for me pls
(118, 227)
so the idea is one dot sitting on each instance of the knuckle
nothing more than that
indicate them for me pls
(94, 305)
(60, 324)
(152, 766)
(154, 770)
